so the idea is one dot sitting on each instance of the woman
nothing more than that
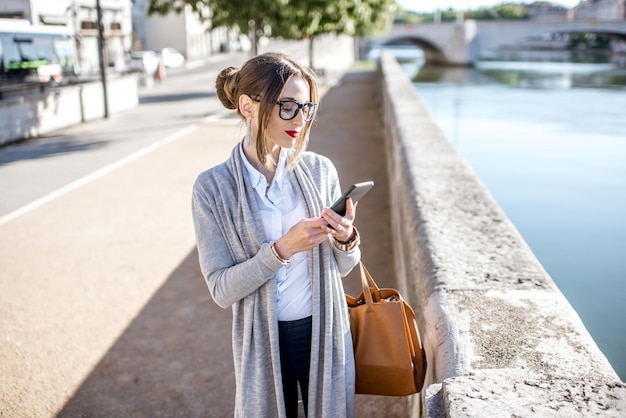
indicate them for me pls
(270, 247)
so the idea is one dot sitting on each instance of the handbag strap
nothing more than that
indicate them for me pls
(371, 292)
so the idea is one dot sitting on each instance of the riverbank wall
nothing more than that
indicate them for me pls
(500, 337)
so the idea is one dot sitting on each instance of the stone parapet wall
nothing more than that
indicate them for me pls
(500, 337)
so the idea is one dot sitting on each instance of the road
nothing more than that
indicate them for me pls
(35, 170)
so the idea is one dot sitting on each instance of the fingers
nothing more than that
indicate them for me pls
(310, 232)
(339, 226)
(335, 221)
(314, 231)
(351, 208)
(303, 236)
(341, 234)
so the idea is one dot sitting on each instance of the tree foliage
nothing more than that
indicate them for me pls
(511, 11)
(307, 18)
(508, 11)
(403, 16)
(311, 18)
(291, 19)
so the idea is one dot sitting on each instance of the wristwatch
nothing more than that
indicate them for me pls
(349, 245)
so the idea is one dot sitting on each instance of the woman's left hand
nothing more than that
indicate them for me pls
(339, 226)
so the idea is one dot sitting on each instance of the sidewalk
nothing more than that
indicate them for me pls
(104, 310)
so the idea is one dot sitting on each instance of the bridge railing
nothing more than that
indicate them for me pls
(500, 337)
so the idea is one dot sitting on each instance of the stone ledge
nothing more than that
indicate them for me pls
(501, 393)
(482, 299)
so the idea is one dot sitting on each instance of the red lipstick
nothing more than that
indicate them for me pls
(293, 134)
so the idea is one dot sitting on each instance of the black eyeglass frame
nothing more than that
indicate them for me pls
(301, 106)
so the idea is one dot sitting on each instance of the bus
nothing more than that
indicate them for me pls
(36, 53)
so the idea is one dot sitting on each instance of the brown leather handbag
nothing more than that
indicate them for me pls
(388, 352)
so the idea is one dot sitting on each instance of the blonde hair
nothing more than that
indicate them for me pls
(263, 78)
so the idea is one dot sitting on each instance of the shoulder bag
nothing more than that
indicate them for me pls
(388, 352)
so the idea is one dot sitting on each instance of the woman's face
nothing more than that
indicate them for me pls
(285, 133)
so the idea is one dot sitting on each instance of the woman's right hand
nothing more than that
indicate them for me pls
(303, 236)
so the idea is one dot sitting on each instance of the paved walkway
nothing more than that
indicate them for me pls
(103, 310)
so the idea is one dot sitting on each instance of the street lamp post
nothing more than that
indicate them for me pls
(103, 75)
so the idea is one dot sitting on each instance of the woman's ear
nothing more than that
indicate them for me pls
(246, 106)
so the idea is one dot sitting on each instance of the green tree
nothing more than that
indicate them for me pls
(291, 19)
(483, 13)
(308, 19)
(511, 11)
(248, 16)
(403, 16)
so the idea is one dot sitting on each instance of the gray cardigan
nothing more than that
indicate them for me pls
(239, 268)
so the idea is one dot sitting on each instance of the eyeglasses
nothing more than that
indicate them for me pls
(289, 108)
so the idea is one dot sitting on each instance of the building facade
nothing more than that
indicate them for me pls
(601, 10)
(604, 10)
(81, 17)
(187, 32)
(545, 11)
(126, 26)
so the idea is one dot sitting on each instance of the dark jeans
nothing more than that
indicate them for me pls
(295, 358)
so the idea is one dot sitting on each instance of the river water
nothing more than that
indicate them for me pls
(548, 139)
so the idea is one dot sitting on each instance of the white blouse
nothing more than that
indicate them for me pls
(280, 207)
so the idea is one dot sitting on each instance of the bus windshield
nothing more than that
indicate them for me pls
(37, 57)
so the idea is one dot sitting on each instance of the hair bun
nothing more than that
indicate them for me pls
(226, 87)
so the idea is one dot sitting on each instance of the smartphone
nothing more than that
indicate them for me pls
(356, 192)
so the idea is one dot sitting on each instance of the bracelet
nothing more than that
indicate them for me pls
(283, 261)
(352, 237)
(349, 245)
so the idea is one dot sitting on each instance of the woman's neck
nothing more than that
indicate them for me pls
(271, 161)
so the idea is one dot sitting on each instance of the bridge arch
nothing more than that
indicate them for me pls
(461, 43)
(432, 53)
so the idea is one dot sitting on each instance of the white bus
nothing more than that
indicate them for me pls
(36, 53)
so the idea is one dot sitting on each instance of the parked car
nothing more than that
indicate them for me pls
(172, 58)
(144, 61)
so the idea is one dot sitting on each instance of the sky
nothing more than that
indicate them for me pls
(432, 5)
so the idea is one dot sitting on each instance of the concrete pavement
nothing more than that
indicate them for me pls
(104, 312)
